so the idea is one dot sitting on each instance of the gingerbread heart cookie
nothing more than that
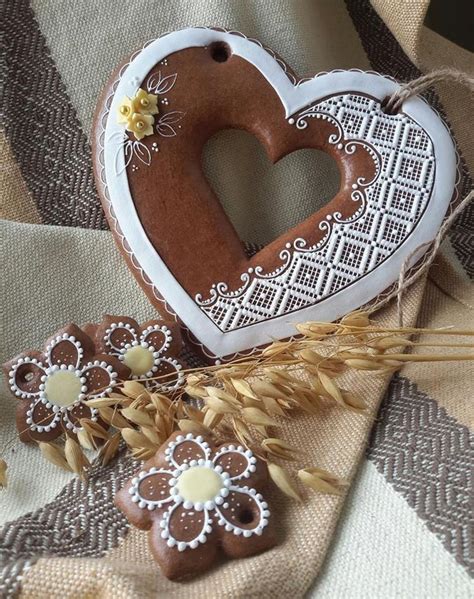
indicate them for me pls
(197, 500)
(398, 174)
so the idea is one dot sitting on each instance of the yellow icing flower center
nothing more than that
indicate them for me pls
(139, 359)
(199, 484)
(145, 102)
(62, 388)
(125, 110)
(140, 124)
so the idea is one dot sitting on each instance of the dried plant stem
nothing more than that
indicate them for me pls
(417, 357)
(410, 330)
(249, 398)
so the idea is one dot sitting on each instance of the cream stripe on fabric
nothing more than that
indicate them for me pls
(448, 301)
(382, 549)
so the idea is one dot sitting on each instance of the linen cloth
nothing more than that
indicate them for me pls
(405, 526)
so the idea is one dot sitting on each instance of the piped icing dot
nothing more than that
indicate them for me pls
(139, 359)
(199, 484)
(62, 388)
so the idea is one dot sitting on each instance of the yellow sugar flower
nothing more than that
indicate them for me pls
(145, 103)
(140, 124)
(124, 111)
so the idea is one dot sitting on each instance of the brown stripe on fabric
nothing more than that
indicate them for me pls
(427, 456)
(82, 521)
(42, 127)
(387, 56)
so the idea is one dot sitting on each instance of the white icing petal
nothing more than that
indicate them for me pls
(152, 489)
(244, 512)
(185, 449)
(118, 335)
(185, 527)
(74, 413)
(65, 350)
(174, 379)
(159, 336)
(100, 378)
(22, 372)
(41, 417)
(237, 462)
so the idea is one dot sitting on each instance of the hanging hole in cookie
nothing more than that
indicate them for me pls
(220, 51)
(245, 517)
(28, 377)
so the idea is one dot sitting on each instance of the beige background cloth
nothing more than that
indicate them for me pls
(404, 530)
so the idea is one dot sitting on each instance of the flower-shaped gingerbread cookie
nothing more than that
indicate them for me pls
(197, 499)
(150, 350)
(53, 385)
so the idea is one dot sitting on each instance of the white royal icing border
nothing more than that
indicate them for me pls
(293, 98)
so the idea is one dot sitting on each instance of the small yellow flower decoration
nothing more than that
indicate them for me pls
(137, 113)
(124, 110)
(145, 103)
(140, 124)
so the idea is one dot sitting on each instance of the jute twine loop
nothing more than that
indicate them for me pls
(417, 86)
(410, 273)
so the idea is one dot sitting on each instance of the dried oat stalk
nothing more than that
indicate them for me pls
(3, 474)
(250, 398)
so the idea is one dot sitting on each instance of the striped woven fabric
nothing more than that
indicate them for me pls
(404, 529)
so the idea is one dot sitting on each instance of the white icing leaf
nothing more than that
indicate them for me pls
(172, 117)
(142, 152)
(159, 84)
(127, 147)
(165, 130)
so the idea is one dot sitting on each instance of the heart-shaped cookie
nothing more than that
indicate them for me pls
(398, 175)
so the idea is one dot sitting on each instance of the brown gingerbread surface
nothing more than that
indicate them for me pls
(184, 219)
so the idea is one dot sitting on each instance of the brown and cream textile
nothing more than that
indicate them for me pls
(404, 529)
